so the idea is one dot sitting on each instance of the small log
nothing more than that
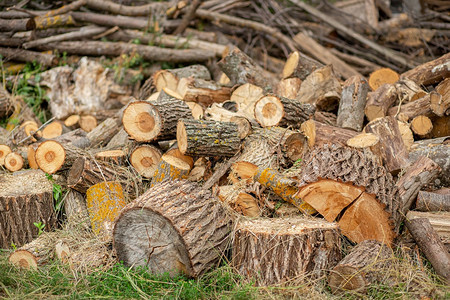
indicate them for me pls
(170, 168)
(72, 121)
(169, 78)
(36, 253)
(117, 157)
(272, 251)
(431, 246)
(437, 150)
(145, 158)
(208, 138)
(52, 156)
(421, 125)
(142, 121)
(116, 8)
(379, 101)
(29, 199)
(289, 87)
(101, 134)
(27, 133)
(14, 162)
(76, 210)
(321, 88)
(299, 66)
(177, 227)
(431, 72)
(421, 106)
(17, 25)
(318, 133)
(439, 220)
(407, 135)
(381, 77)
(365, 265)
(241, 69)
(430, 201)
(104, 202)
(271, 110)
(54, 129)
(440, 104)
(390, 147)
(416, 176)
(204, 92)
(245, 97)
(353, 101)
(87, 123)
(4, 151)
(47, 60)
(239, 200)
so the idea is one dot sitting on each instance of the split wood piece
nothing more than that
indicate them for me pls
(416, 176)
(363, 140)
(28, 197)
(117, 157)
(440, 221)
(101, 134)
(201, 170)
(431, 246)
(239, 200)
(364, 217)
(175, 152)
(241, 69)
(88, 123)
(4, 151)
(382, 76)
(324, 55)
(390, 148)
(174, 227)
(53, 130)
(52, 156)
(284, 187)
(152, 53)
(14, 162)
(196, 110)
(299, 66)
(104, 202)
(353, 101)
(321, 88)
(430, 201)
(437, 150)
(379, 101)
(72, 121)
(243, 171)
(366, 264)
(245, 97)
(85, 173)
(204, 92)
(208, 138)
(46, 60)
(345, 164)
(421, 106)
(431, 72)
(421, 125)
(318, 133)
(407, 134)
(272, 251)
(440, 105)
(170, 168)
(271, 110)
(76, 211)
(31, 156)
(6, 103)
(169, 78)
(142, 121)
(33, 255)
(289, 87)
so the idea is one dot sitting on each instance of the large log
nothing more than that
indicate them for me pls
(25, 199)
(366, 264)
(272, 251)
(175, 227)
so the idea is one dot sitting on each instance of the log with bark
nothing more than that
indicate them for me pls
(353, 101)
(439, 220)
(299, 66)
(432, 201)
(169, 78)
(175, 227)
(319, 133)
(431, 72)
(145, 158)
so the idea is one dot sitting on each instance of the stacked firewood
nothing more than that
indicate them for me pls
(198, 163)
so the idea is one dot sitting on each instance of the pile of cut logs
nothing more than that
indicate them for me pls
(277, 169)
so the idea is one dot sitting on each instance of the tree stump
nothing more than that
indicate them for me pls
(273, 251)
(25, 199)
(365, 264)
(174, 227)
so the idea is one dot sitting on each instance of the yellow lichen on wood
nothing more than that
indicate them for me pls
(104, 202)
(283, 187)
(170, 168)
(55, 21)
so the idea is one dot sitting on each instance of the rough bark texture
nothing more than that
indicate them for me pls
(76, 210)
(431, 246)
(429, 201)
(440, 104)
(170, 168)
(208, 138)
(6, 103)
(430, 72)
(24, 199)
(421, 106)
(366, 264)
(47, 60)
(439, 220)
(204, 92)
(318, 133)
(416, 176)
(36, 253)
(272, 251)
(174, 227)
(103, 133)
(353, 101)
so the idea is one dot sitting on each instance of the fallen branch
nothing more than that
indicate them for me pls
(119, 9)
(28, 56)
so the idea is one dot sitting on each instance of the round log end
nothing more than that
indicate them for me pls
(23, 259)
(50, 156)
(145, 159)
(269, 111)
(4, 151)
(142, 121)
(13, 162)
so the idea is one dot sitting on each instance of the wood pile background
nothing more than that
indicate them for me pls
(268, 132)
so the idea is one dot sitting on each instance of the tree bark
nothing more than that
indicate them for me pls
(318, 133)
(352, 103)
(379, 101)
(177, 227)
(430, 72)
(119, 9)
(17, 25)
(169, 78)
(170, 168)
(429, 201)
(47, 60)
(202, 91)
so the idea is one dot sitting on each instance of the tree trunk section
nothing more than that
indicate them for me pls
(103, 133)
(352, 104)
(440, 221)
(366, 264)
(421, 106)
(52, 156)
(76, 210)
(421, 125)
(240, 201)
(142, 121)
(14, 162)
(273, 251)
(24, 199)
(175, 227)
(204, 92)
(47, 60)
(170, 78)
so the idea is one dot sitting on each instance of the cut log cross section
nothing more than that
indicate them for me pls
(142, 121)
